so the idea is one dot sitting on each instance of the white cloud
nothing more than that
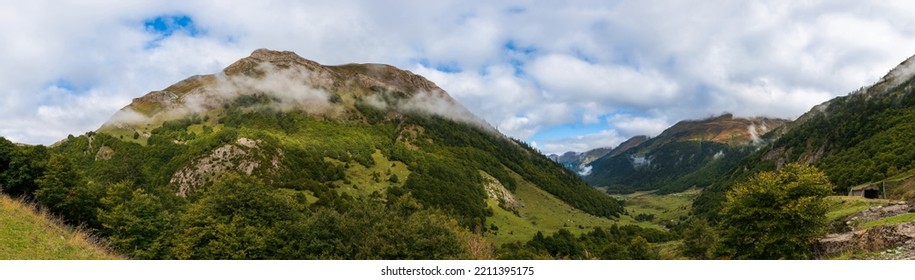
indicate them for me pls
(571, 62)
(508, 102)
(567, 79)
(632, 125)
(602, 139)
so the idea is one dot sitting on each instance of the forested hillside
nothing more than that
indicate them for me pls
(682, 156)
(278, 157)
(864, 137)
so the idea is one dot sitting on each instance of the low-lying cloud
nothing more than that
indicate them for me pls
(289, 88)
(442, 105)
(292, 88)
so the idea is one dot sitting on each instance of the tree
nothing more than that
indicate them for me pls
(775, 215)
(6, 152)
(237, 218)
(7, 149)
(134, 221)
(67, 193)
(699, 239)
(22, 167)
(423, 235)
(639, 249)
(614, 251)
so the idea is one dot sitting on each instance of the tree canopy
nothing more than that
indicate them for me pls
(775, 215)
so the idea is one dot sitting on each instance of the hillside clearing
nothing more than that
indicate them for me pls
(27, 234)
(544, 212)
(662, 208)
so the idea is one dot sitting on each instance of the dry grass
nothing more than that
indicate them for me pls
(28, 232)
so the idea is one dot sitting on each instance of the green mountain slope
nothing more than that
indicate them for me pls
(681, 156)
(281, 157)
(864, 137)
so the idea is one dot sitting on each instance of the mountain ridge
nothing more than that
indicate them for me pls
(330, 91)
(366, 152)
(666, 161)
(858, 138)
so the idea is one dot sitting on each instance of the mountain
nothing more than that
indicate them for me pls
(283, 81)
(677, 158)
(627, 145)
(861, 138)
(278, 156)
(577, 161)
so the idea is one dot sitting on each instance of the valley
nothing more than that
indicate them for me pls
(281, 157)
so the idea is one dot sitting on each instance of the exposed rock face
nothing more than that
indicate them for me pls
(879, 212)
(495, 190)
(874, 239)
(104, 153)
(245, 156)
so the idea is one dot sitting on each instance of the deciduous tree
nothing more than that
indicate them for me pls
(776, 215)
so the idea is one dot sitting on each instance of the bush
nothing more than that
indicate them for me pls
(775, 215)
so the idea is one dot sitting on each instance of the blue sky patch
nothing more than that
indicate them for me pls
(64, 84)
(70, 86)
(517, 55)
(513, 47)
(446, 67)
(166, 25)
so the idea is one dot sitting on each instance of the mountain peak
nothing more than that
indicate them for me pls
(725, 129)
(283, 59)
(268, 54)
(284, 81)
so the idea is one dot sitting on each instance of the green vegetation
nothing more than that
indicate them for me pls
(860, 138)
(20, 167)
(671, 167)
(375, 184)
(614, 243)
(699, 239)
(664, 208)
(542, 211)
(841, 207)
(856, 255)
(494, 154)
(686, 155)
(364, 180)
(892, 220)
(65, 191)
(775, 215)
(30, 234)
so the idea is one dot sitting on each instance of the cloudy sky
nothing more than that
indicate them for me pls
(563, 75)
